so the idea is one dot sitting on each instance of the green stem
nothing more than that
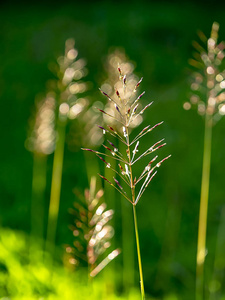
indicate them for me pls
(132, 186)
(55, 187)
(128, 270)
(110, 199)
(219, 261)
(128, 246)
(202, 228)
(37, 200)
(139, 254)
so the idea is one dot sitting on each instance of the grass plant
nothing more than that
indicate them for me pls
(126, 110)
(209, 96)
(113, 59)
(69, 71)
(40, 142)
(92, 232)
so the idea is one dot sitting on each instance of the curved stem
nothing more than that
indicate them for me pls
(139, 254)
(202, 228)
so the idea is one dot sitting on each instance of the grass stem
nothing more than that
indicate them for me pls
(128, 247)
(202, 228)
(132, 186)
(139, 254)
(37, 202)
(55, 187)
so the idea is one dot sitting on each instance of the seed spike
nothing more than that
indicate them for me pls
(115, 149)
(118, 95)
(111, 128)
(107, 148)
(105, 94)
(101, 110)
(105, 179)
(117, 108)
(138, 98)
(141, 112)
(159, 163)
(135, 108)
(160, 146)
(119, 185)
(137, 85)
(109, 98)
(103, 129)
(107, 164)
(86, 149)
(124, 79)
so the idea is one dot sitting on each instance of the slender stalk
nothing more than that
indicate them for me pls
(37, 200)
(201, 248)
(127, 239)
(110, 197)
(55, 187)
(128, 246)
(219, 260)
(135, 218)
(139, 254)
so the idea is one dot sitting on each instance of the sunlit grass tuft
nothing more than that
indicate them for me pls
(126, 110)
(92, 232)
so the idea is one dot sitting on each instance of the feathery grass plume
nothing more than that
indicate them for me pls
(67, 87)
(208, 84)
(91, 231)
(41, 138)
(209, 95)
(126, 110)
(111, 86)
(41, 142)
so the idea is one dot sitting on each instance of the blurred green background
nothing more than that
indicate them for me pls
(157, 36)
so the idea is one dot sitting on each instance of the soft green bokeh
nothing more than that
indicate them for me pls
(157, 36)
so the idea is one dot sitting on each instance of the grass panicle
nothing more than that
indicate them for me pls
(113, 59)
(127, 109)
(91, 231)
